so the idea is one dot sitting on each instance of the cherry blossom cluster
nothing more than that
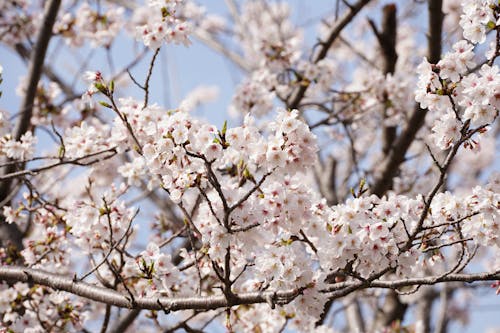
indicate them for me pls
(106, 225)
(458, 96)
(320, 73)
(477, 18)
(160, 22)
(266, 245)
(450, 90)
(177, 147)
(18, 150)
(99, 26)
(22, 149)
(202, 21)
(268, 37)
(86, 139)
(46, 108)
(17, 22)
(38, 309)
(253, 97)
(368, 233)
(387, 95)
(272, 49)
(483, 226)
(47, 244)
(153, 273)
(271, 46)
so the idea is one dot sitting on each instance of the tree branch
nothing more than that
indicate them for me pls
(428, 280)
(114, 298)
(387, 41)
(294, 101)
(397, 155)
(34, 72)
(125, 321)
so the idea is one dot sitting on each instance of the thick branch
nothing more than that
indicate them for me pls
(424, 308)
(299, 93)
(125, 321)
(429, 280)
(397, 155)
(387, 41)
(112, 297)
(35, 69)
(34, 73)
(353, 314)
(392, 309)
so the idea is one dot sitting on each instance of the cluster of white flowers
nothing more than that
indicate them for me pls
(480, 96)
(483, 226)
(36, 309)
(320, 73)
(160, 22)
(477, 18)
(155, 272)
(368, 232)
(271, 46)
(448, 88)
(104, 225)
(252, 97)
(268, 37)
(18, 150)
(17, 22)
(154, 23)
(99, 26)
(445, 87)
(177, 146)
(85, 139)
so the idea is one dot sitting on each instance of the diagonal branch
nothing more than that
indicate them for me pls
(11, 232)
(34, 72)
(297, 96)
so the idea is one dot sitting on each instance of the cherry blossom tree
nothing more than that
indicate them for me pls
(354, 188)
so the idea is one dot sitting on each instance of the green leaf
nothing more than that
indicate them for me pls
(101, 87)
(362, 183)
(106, 105)
(246, 173)
(164, 12)
(224, 128)
(61, 152)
